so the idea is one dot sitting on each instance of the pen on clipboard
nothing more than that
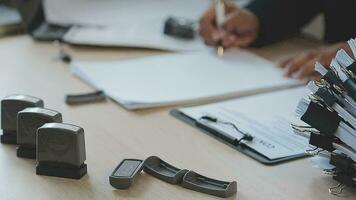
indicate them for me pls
(219, 20)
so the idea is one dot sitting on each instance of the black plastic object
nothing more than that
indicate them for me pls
(199, 183)
(125, 173)
(321, 118)
(332, 79)
(65, 57)
(345, 170)
(180, 28)
(96, 96)
(28, 121)
(322, 141)
(164, 171)
(61, 151)
(10, 106)
(329, 97)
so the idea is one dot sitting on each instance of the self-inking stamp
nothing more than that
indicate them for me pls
(10, 106)
(28, 121)
(61, 151)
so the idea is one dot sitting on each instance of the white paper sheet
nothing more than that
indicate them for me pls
(179, 78)
(265, 116)
(112, 12)
(145, 34)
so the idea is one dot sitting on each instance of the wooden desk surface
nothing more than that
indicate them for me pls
(113, 133)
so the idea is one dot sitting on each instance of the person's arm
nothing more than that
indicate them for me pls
(281, 18)
(339, 16)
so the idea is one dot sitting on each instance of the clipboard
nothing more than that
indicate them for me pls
(243, 149)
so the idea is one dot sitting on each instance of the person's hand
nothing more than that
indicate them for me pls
(302, 66)
(240, 28)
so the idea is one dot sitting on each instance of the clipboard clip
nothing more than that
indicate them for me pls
(245, 136)
(337, 190)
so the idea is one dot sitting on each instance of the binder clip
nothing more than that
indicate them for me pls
(10, 106)
(343, 163)
(180, 28)
(345, 179)
(164, 171)
(28, 121)
(346, 172)
(330, 77)
(125, 173)
(199, 183)
(321, 117)
(328, 96)
(61, 151)
(322, 141)
(86, 98)
(346, 78)
(337, 190)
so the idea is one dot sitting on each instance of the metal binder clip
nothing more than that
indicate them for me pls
(322, 83)
(245, 136)
(303, 129)
(349, 73)
(317, 99)
(313, 152)
(322, 141)
(330, 172)
(337, 190)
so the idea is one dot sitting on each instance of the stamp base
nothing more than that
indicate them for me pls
(26, 152)
(61, 171)
(8, 137)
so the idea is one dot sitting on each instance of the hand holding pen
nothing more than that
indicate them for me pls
(239, 28)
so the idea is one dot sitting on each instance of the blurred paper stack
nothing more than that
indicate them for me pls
(330, 110)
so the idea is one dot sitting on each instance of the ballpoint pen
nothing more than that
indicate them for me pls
(219, 20)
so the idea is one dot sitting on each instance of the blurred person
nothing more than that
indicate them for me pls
(263, 22)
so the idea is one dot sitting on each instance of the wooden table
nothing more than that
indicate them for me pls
(113, 133)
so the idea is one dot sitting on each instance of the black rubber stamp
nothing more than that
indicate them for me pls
(28, 121)
(10, 106)
(61, 151)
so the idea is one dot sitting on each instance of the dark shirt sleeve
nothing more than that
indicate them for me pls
(340, 20)
(281, 18)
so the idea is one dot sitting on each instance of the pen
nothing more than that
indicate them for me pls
(219, 20)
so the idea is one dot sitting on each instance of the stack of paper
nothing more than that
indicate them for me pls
(145, 34)
(330, 109)
(125, 22)
(181, 78)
